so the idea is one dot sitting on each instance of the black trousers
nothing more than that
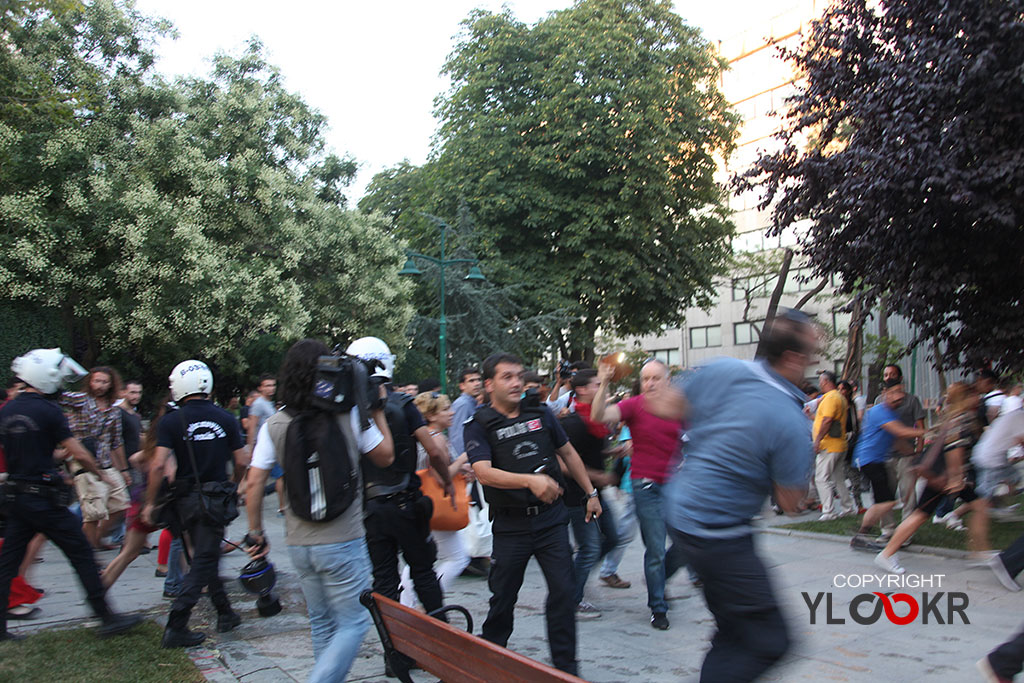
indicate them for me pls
(403, 524)
(516, 540)
(752, 634)
(203, 573)
(1007, 660)
(31, 514)
(1013, 557)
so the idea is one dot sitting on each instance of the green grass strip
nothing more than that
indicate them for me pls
(79, 654)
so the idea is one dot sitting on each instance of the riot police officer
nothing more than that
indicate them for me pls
(34, 496)
(204, 438)
(397, 512)
(515, 449)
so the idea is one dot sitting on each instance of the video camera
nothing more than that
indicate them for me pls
(564, 369)
(344, 382)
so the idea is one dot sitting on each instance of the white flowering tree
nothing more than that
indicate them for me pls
(171, 219)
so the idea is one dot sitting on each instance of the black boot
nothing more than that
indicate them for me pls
(181, 637)
(177, 634)
(116, 624)
(227, 620)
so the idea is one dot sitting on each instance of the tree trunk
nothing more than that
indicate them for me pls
(811, 294)
(773, 303)
(939, 368)
(855, 342)
(878, 364)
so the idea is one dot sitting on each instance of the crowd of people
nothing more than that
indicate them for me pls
(404, 490)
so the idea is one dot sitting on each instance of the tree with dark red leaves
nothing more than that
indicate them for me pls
(903, 150)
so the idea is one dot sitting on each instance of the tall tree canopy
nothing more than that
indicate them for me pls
(165, 220)
(585, 146)
(903, 150)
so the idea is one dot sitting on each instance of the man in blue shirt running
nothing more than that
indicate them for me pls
(881, 427)
(747, 438)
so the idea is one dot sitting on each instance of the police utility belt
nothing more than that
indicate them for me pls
(528, 511)
(50, 487)
(395, 493)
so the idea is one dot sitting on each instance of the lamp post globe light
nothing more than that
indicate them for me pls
(474, 275)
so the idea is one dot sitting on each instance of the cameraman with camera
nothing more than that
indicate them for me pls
(560, 398)
(204, 438)
(397, 512)
(34, 496)
(327, 546)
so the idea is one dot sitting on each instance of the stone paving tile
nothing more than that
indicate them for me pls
(619, 646)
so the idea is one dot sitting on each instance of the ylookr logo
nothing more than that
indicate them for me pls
(899, 608)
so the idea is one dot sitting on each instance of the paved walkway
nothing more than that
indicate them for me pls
(621, 645)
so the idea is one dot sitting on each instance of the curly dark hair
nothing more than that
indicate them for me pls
(295, 379)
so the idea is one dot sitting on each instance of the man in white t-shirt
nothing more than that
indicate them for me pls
(1013, 400)
(990, 453)
(330, 557)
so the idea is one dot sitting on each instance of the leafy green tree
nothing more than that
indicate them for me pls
(586, 144)
(194, 218)
(911, 183)
(586, 148)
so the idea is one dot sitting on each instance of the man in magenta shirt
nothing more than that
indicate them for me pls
(655, 446)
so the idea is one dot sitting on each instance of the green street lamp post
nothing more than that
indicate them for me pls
(474, 276)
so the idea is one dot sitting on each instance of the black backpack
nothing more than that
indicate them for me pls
(318, 471)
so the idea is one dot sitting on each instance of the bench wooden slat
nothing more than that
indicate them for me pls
(455, 656)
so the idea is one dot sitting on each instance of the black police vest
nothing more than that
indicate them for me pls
(402, 470)
(521, 445)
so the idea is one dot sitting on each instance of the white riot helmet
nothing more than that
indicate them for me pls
(47, 369)
(372, 348)
(190, 377)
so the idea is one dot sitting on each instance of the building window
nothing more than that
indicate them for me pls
(705, 337)
(841, 322)
(669, 357)
(758, 285)
(800, 280)
(746, 333)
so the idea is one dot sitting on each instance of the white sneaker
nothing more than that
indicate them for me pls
(889, 564)
(981, 559)
(941, 519)
(828, 517)
(585, 610)
(999, 569)
(954, 522)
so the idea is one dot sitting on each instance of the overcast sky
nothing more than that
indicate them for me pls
(373, 68)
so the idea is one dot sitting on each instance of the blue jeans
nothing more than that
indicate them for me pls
(659, 565)
(332, 577)
(175, 574)
(594, 540)
(625, 526)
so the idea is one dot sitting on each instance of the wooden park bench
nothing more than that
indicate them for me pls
(454, 656)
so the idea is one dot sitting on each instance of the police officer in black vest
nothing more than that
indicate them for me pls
(204, 439)
(516, 451)
(397, 512)
(34, 497)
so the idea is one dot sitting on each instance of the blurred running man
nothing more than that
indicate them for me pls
(748, 437)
